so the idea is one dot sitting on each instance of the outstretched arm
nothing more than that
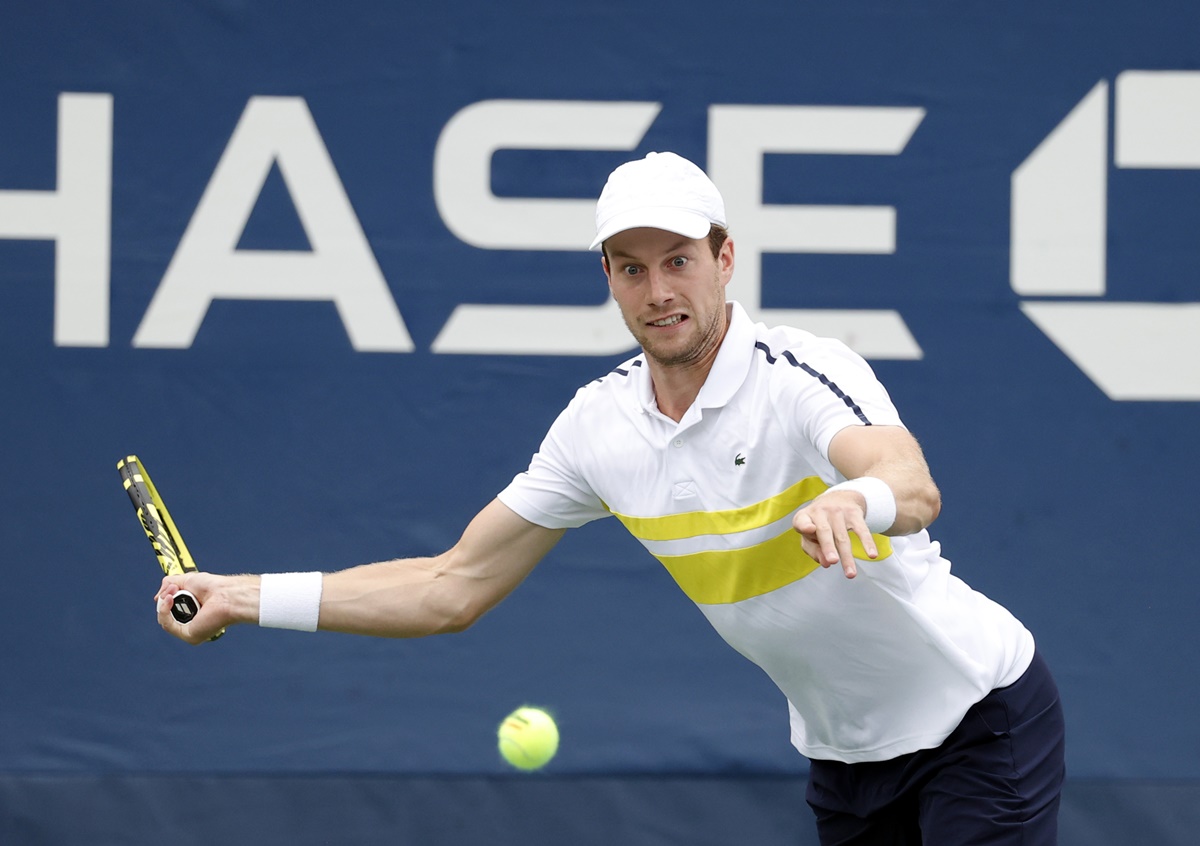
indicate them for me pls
(886, 453)
(409, 597)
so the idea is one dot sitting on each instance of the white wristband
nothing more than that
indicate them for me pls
(290, 601)
(881, 502)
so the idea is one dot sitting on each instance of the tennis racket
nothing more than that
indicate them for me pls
(169, 548)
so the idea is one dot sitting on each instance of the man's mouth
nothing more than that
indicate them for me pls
(668, 321)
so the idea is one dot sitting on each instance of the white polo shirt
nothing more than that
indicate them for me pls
(874, 667)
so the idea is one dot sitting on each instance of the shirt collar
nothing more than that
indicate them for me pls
(732, 362)
(728, 371)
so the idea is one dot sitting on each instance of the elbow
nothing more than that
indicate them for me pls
(919, 508)
(459, 621)
(933, 503)
(460, 616)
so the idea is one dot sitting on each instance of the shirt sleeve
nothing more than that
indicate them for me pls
(553, 493)
(827, 388)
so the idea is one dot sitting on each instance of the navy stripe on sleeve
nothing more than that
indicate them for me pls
(620, 371)
(637, 362)
(819, 376)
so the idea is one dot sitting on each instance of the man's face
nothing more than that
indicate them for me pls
(671, 291)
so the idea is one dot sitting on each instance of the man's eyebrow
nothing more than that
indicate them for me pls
(678, 245)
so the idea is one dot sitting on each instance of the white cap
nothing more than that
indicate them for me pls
(661, 191)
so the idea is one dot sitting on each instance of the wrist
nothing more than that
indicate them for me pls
(290, 601)
(881, 501)
(242, 598)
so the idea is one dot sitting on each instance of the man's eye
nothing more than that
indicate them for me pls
(678, 261)
(631, 270)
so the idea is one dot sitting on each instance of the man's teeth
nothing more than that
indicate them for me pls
(667, 321)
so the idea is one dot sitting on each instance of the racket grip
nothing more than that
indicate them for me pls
(184, 606)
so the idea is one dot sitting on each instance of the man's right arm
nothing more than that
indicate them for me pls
(410, 597)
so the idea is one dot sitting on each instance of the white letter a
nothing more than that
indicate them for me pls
(340, 267)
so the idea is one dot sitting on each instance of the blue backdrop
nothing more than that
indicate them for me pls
(236, 240)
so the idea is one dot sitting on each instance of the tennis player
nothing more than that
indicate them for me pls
(768, 470)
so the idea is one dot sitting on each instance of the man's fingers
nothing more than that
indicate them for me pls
(826, 545)
(859, 527)
(825, 542)
(165, 598)
(810, 541)
(846, 555)
(826, 530)
(842, 550)
(170, 584)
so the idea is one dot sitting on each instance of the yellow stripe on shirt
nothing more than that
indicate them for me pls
(730, 575)
(721, 576)
(694, 523)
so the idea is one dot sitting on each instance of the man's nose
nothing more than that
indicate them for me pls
(660, 289)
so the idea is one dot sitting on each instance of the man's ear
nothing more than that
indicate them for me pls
(725, 261)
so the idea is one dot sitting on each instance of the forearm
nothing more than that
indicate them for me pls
(918, 501)
(893, 456)
(411, 597)
(888, 491)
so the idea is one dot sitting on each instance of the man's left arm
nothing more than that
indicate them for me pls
(890, 491)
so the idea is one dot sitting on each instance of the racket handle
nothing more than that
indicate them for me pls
(184, 606)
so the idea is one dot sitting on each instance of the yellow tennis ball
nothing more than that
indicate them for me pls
(528, 738)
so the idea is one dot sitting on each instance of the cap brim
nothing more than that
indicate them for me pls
(683, 222)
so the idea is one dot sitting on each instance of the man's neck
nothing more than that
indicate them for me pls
(677, 386)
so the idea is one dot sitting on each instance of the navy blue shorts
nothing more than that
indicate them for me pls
(995, 780)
